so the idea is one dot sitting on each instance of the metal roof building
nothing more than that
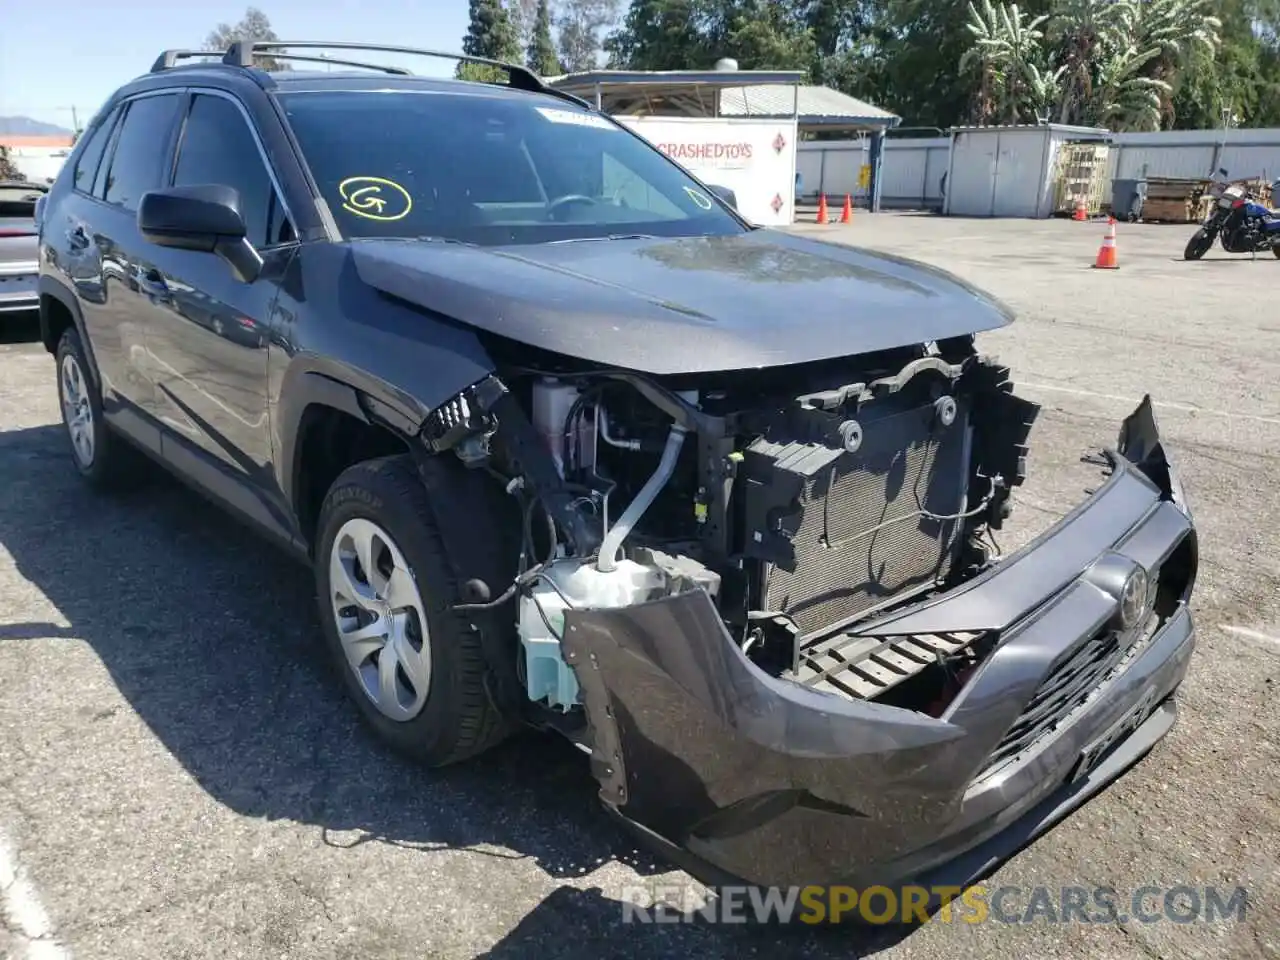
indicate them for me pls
(729, 93)
(817, 108)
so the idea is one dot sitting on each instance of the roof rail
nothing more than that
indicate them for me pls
(384, 68)
(242, 54)
(168, 59)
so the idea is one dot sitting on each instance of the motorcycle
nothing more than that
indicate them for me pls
(1243, 224)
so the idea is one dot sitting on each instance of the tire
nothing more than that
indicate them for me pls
(1199, 244)
(101, 456)
(1276, 251)
(457, 717)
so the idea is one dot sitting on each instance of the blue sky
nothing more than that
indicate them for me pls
(55, 55)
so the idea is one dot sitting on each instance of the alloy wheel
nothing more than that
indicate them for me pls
(77, 411)
(381, 621)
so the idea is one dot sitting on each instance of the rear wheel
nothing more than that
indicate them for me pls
(102, 458)
(414, 666)
(1276, 251)
(1198, 245)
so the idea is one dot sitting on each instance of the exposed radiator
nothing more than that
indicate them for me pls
(851, 521)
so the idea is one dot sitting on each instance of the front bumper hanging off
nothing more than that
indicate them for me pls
(741, 777)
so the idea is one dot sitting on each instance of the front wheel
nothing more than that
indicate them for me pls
(1276, 251)
(412, 664)
(1198, 245)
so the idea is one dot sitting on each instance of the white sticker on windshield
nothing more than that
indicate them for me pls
(576, 118)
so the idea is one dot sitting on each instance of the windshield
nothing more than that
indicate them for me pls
(491, 170)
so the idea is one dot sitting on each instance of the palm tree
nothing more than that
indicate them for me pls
(1045, 87)
(1025, 39)
(1179, 29)
(1006, 43)
(1085, 32)
(990, 55)
(1124, 97)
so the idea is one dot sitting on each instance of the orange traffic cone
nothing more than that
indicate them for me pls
(1081, 211)
(846, 215)
(822, 208)
(1107, 252)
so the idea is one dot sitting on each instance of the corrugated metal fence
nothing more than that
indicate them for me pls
(1197, 153)
(913, 169)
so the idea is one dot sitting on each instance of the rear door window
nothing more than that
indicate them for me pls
(87, 165)
(141, 158)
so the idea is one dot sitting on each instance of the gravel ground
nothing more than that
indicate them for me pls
(180, 777)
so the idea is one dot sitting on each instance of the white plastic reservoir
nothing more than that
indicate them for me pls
(547, 676)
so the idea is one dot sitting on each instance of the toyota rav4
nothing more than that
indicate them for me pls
(570, 444)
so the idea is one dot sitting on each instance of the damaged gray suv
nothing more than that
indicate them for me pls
(570, 444)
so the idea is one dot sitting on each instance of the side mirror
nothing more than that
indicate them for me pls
(725, 194)
(203, 217)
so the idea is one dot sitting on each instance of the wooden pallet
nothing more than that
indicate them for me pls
(1172, 210)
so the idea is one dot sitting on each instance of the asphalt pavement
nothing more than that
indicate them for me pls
(181, 777)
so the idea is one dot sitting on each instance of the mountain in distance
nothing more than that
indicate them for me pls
(26, 127)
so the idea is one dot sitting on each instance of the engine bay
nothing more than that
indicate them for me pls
(803, 500)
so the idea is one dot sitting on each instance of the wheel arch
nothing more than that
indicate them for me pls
(323, 426)
(59, 310)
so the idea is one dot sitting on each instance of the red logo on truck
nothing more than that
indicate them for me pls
(779, 143)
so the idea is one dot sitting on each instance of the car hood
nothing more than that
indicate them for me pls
(686, 305)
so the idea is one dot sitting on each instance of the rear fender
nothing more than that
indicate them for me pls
(56, 290)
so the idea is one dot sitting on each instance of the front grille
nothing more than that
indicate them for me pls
(1071, 683)
(863, 668)
(859, 538)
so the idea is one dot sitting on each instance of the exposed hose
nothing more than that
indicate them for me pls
(612, 543)
(602, 431)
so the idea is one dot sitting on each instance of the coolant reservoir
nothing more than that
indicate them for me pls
(547, 677)
(552, 401)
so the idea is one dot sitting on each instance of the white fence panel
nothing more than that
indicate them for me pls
(1180, 160)
(912, 171)
(1197, 153)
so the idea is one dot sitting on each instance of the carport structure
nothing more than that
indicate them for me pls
(729, 93)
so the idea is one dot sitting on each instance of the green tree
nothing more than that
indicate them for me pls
(7, 169)
(768, 35)
(254, 25)
(491, 35)
(523, 14)
(1086, 32)
(541, 55)
(921, 44)
(581, 24)
(1179, 31)
(693, 34)
(661, 35)
(1007, 48)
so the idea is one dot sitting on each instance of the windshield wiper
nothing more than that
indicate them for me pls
(423, 239)
(611, 236)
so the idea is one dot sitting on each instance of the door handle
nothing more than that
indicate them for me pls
(77, 240)
(152, 283)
